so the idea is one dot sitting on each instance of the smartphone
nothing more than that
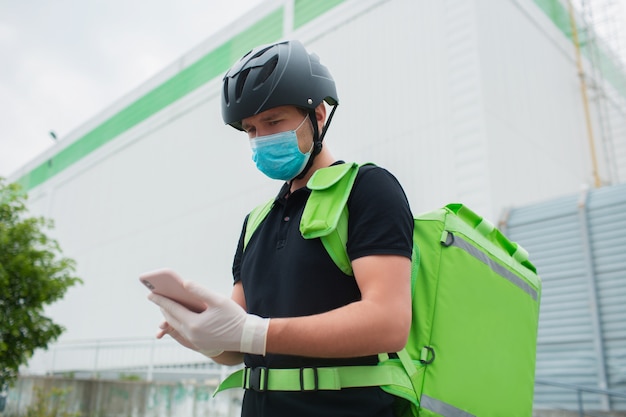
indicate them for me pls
(167, 283)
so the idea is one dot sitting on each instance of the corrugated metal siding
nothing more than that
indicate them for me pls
(607, 224)
(578, 245)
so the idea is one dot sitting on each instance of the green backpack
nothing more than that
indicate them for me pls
(471, 348)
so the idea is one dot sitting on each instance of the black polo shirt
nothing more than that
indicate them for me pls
(285, 275)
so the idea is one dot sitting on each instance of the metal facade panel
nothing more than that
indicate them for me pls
(582, 325)
(467, 132)
(528, 128)
(607, 226)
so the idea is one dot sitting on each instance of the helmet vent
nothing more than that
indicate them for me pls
(241, 81)
(259, 52)
(225, 92)
(265, 72)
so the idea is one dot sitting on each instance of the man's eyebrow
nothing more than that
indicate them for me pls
(266, 118)
(272, 115)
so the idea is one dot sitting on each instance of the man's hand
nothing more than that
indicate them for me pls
(165, 328)
(223, 326)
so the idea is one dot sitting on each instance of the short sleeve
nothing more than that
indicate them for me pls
(380, 221)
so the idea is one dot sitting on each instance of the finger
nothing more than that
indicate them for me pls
(173, 321)
(172, 307)
(164, 328)
(210, 297)
(182, 340)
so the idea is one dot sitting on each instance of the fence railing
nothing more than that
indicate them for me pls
(580, 390)
(148, 359)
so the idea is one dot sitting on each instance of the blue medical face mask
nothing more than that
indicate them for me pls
(278, 156)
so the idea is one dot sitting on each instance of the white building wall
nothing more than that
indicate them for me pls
(410, 98)
(537, 138)
(472, 101)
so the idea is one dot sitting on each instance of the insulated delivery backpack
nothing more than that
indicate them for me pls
(472, 343)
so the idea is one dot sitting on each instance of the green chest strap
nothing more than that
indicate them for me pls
(325, 215)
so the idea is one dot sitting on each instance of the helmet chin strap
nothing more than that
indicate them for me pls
(317, 140)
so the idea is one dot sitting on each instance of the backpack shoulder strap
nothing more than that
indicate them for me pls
(326, 213)
(255, 218)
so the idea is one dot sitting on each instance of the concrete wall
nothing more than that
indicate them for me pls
(142, 399)
(122, 398)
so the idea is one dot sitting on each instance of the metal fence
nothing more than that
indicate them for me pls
(135, 358)
(579, 392)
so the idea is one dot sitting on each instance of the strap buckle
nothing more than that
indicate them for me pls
(427, 356)
(316, 382)
(256, 379)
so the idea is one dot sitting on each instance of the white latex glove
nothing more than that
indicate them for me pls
(223, 326)
(167, 329)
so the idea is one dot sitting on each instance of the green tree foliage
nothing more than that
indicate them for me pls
(33, 274)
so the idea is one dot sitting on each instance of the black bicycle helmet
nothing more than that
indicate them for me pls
(275, 75)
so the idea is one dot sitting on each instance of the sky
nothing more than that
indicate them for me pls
(64, 61)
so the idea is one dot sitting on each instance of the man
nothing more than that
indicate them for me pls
(291, 306)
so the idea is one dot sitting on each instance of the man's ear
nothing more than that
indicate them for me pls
(320, 115)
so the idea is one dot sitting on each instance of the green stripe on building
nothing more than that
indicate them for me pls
(214, 64)
(307, 10)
